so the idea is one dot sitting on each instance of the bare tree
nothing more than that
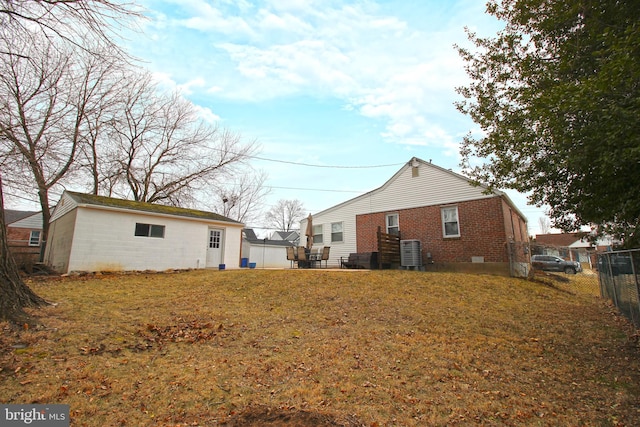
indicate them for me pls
(285, 214)
(22, 22)
(46, 94)
(240, 197)
(544, 224)
(72, 21)
(164, 150)
(14, 294)
(99, 157)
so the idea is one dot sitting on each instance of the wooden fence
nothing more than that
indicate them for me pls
(388, 250)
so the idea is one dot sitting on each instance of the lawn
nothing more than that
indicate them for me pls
(385, 348)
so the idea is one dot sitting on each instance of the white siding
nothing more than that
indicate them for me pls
(268, 256)
(104, 240)
(33, 222)
(65, 205)
(232, 244)
(431, 186)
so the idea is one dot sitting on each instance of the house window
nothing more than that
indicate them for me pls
(149, 230)
(317, 234)
(336, 232)
(393, 226)
(34, 238)
(450, 225)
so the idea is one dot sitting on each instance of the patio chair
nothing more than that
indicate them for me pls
(291, 255)
(302, 257)
(325, 256)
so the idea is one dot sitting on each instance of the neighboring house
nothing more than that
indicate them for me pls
(290, 236)
(570, 246)
(459, 227)
(24, 236)
(265, 253)
(95, 233)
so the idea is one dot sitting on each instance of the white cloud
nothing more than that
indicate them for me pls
(377, 63)
(207, 115)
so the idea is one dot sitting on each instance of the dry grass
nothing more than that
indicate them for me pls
(385, 348)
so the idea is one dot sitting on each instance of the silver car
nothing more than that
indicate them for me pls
(554, 263)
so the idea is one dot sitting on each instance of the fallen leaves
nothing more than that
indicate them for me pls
(395, 348)
(183, 330)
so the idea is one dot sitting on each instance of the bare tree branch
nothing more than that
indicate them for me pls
(285, 214)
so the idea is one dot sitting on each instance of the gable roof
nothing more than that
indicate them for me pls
(288, 235)
(250, 236)
(11, 216)
(415, 161)
(120, 204)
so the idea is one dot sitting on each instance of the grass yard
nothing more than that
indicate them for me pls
(385, 348)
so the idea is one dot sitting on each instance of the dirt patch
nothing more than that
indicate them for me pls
(276, 417)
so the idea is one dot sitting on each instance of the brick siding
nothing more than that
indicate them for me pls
(485, 227)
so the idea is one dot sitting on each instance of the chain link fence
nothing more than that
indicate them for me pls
(584, 281)
(620, 281)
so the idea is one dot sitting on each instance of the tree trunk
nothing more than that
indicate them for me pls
(15, 295)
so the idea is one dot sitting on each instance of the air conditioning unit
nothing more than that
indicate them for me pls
(410, 253)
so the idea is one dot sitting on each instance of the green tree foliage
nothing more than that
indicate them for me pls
(556, 95)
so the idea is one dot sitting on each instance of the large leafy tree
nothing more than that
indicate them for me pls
(556, 95)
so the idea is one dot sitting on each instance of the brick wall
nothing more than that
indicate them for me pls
(483, 231)
(18, 236)
(23, 254)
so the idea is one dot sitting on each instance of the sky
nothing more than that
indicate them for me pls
(338, 94)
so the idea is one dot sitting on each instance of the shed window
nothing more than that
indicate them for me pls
(317, 234)
(149, 230)
(336, 232)
(450, 225)
(34, 238)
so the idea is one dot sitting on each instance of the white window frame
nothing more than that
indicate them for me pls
(34, 238)
(390, 226)
(335, 232)
(153, 230)
(317, 234)
(448, 220)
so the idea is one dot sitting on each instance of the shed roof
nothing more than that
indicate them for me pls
(91, 199)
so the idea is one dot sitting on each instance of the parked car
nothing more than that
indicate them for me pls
(554, 263)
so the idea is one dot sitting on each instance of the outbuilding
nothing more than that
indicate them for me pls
(97, 233)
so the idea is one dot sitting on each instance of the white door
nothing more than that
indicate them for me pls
(214, 247)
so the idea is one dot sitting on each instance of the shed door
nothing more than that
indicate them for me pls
(214, 247)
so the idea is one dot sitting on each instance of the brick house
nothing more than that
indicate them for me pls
(24, 236)
(458, 225)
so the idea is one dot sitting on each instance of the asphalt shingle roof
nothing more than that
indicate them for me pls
(91, 199)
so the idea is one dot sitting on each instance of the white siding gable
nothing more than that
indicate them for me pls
(65, 205)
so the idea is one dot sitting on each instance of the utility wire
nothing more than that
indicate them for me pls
(326, 166)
